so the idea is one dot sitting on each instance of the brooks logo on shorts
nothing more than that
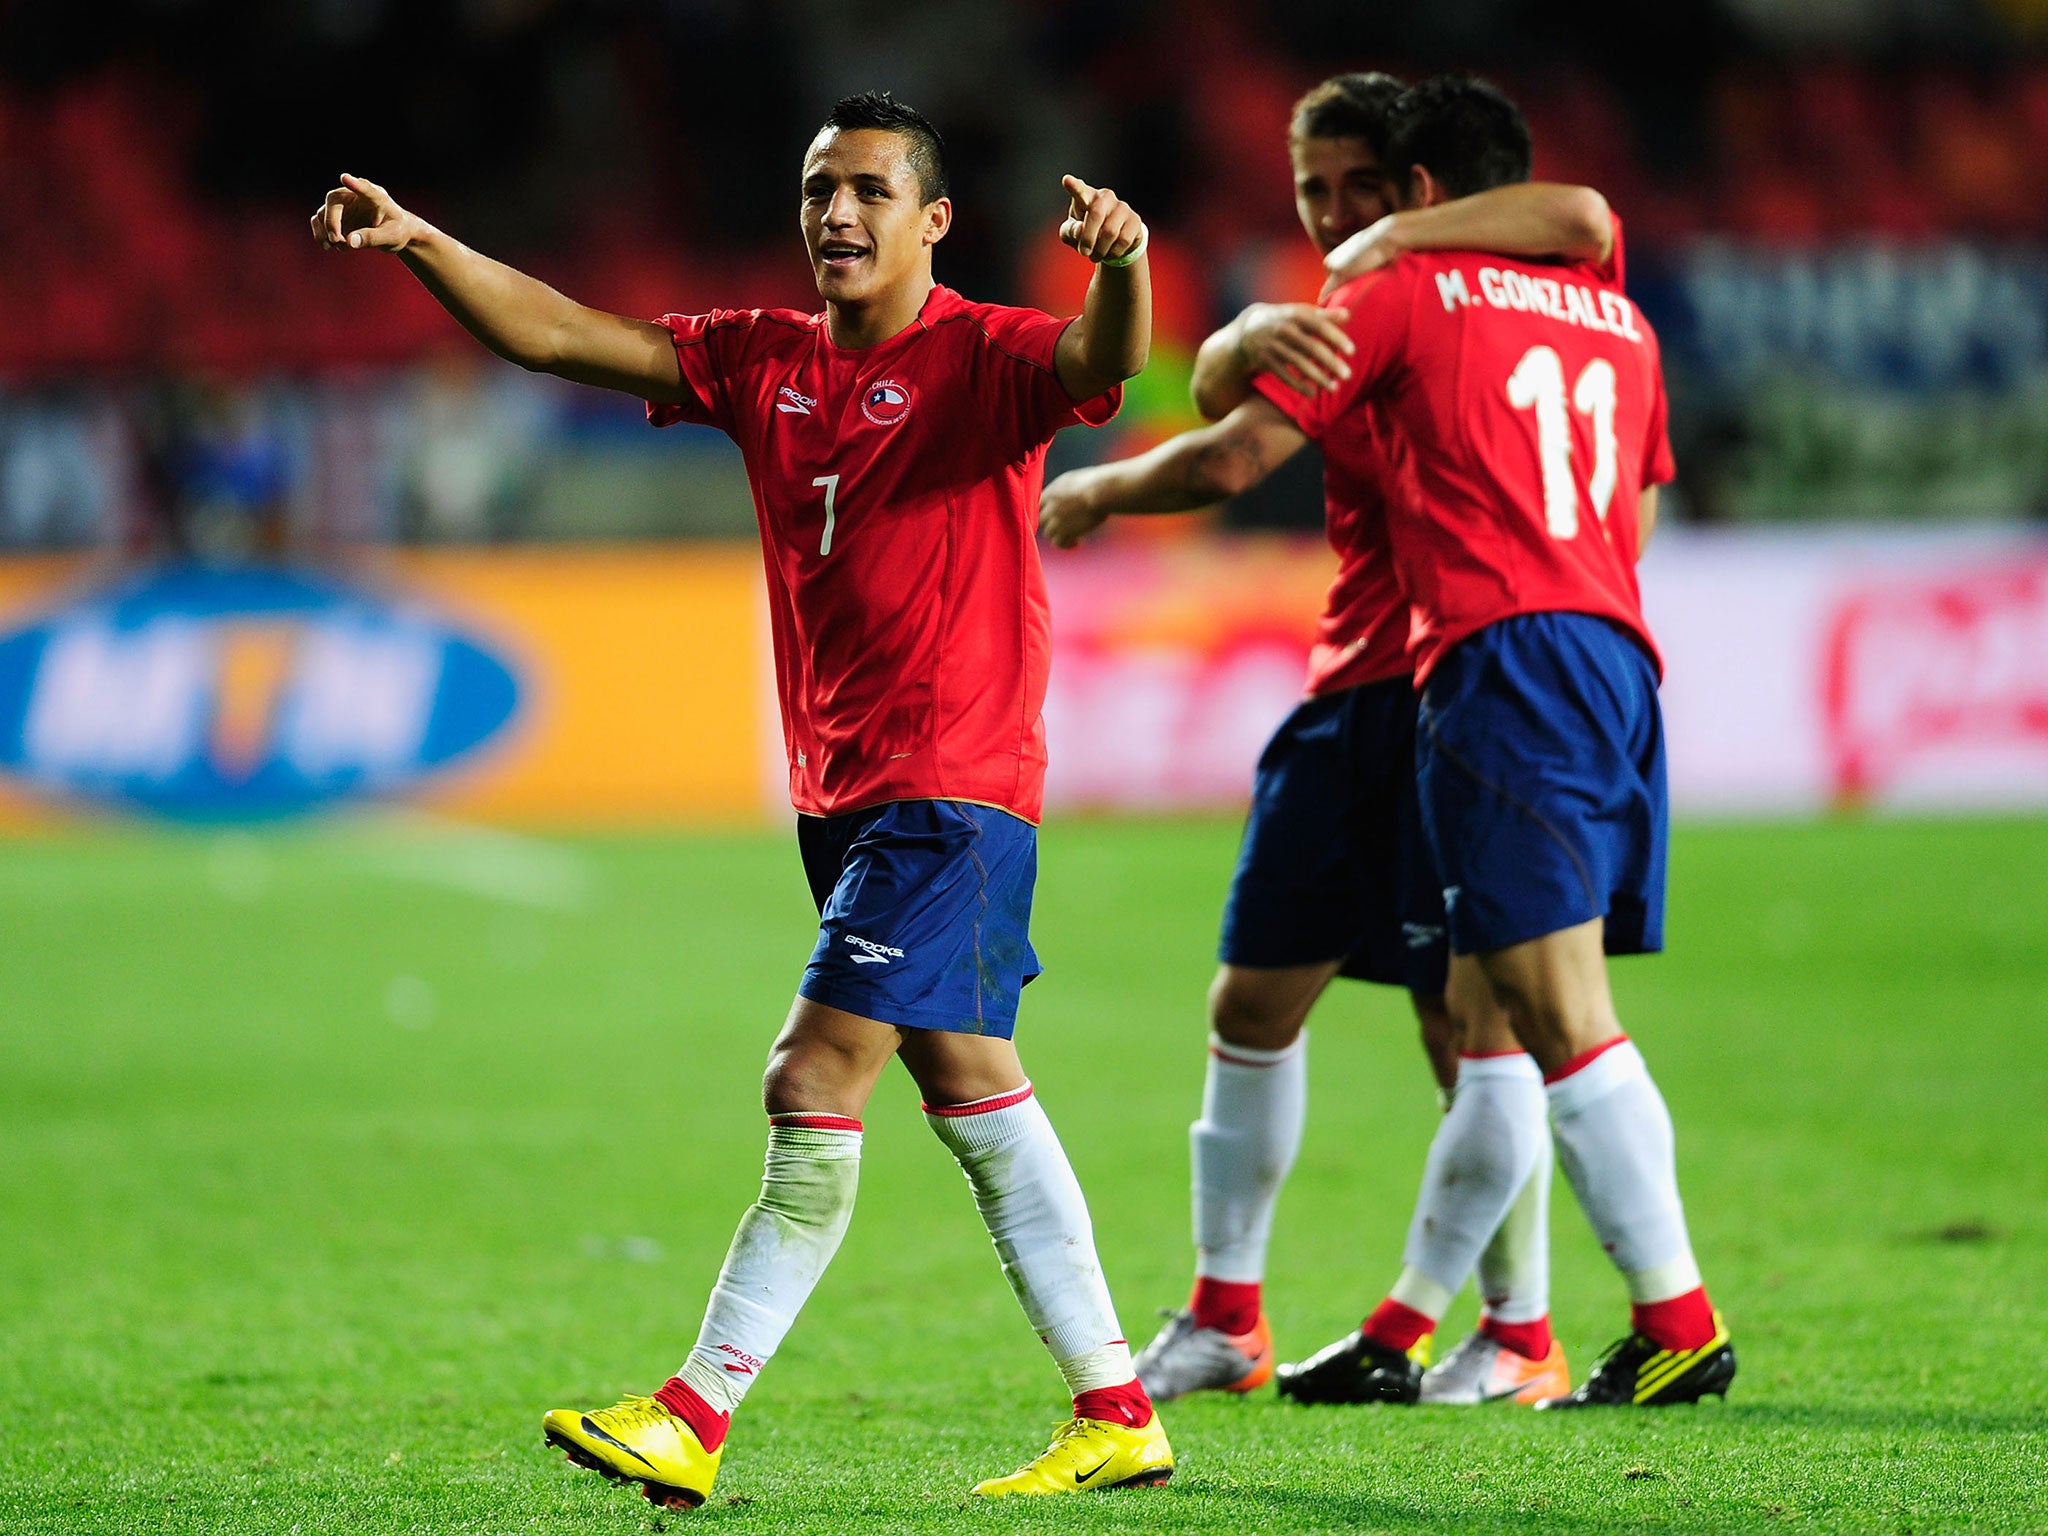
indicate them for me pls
(875, 954)
(1421, 935)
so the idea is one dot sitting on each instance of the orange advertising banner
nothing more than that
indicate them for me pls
(541, 686)
(650, 700)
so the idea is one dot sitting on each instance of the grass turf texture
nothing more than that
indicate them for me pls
(332, 1158)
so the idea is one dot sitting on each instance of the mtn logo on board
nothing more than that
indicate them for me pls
(206, 694)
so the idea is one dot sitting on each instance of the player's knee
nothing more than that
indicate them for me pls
(960, 1083)
(1554, 1026)
(804, 1075)
(1246, 1010)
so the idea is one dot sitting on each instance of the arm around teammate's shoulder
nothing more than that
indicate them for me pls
(1528, 219)
(518, 317)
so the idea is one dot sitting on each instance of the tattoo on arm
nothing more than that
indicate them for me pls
(1225, 465)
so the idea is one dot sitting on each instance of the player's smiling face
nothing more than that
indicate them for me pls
(1339, 189)
(865, 222)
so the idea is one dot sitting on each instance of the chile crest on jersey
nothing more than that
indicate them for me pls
(885, 402)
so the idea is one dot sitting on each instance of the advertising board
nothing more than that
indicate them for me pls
(552, 687)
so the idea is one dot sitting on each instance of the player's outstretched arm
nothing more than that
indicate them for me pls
(1646, 519)
(1302, 345)
(518, 317)
(1195, 469)
(1111, 340)
(1530, 218)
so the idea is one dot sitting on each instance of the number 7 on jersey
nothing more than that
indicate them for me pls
(831, 484)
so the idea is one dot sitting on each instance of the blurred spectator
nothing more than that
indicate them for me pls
(1833, 210)
(469, 443)
(61, 460)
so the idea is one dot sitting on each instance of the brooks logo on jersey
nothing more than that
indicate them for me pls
(874, 954)
(787, 399)
(886, 403)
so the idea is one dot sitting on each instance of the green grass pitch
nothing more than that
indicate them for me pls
(329, 1159)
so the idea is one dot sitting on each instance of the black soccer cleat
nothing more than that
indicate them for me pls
(1637, 1372)
(1355, 1369)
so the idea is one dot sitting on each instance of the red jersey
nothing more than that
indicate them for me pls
(1531, 402)
(897, 492)
(1362, 635)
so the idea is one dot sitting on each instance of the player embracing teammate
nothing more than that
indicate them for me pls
(895, 444)
(1515, 411)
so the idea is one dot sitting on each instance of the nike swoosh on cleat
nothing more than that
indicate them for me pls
(1082, 1477)
(597, 1433)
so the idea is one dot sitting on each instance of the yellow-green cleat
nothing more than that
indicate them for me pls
(1636, 1372)
(637, 1441)
(1086, 1454)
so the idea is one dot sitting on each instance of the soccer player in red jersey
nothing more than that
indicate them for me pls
(895, 443)
(1527, 403)
(1334, 877)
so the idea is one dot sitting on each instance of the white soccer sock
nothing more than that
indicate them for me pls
(783, 1244)
(1615, 1142)
(1481, 1158)
(1514, 1269)
(1031, 1204)
(1254, 1104)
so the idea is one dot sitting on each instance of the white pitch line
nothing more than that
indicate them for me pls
(509, 867)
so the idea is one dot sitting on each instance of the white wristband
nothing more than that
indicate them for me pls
(1144, 235)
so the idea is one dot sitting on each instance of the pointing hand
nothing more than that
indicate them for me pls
(1100, 225)
(360, 215)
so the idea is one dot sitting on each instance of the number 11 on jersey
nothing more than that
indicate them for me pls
(831, 484)
(1538, 384)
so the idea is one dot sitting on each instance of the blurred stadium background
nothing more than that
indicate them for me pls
(286, 1109)
(1835, 222)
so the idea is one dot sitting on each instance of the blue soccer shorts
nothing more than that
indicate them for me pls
(1334, 864)
(1541, 763)
(924, 914)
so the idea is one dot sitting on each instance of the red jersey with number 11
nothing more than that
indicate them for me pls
(897, 492)
(1530, 400)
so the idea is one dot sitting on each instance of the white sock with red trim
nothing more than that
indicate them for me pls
(1254, 1104)
(1480, 1159)
(1032, 1205)
(1514, 1267)
(783, 1244)
(1615, 1141)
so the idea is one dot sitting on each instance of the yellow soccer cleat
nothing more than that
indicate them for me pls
(638, 1441)
(1087, 1454)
